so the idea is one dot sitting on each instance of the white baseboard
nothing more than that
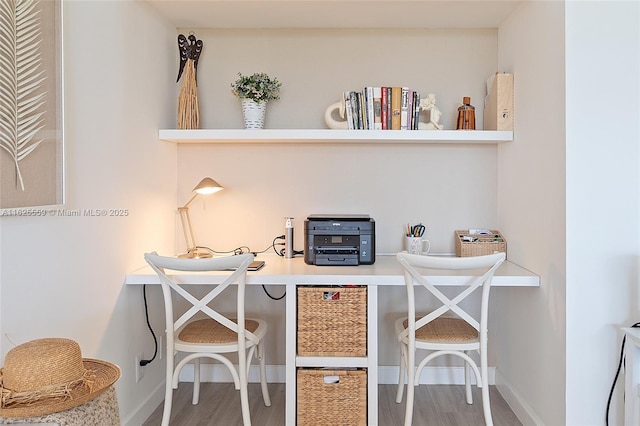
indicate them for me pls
(387, 374)
(518, 405)
(431, 375)
(218, 373)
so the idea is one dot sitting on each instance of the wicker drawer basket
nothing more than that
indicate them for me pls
(481, 244)
(331, 397)
(332, 321)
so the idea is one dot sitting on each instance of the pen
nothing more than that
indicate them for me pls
(417, 230)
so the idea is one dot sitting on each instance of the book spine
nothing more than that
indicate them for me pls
(410, 110)
(389, 108)
(363, 110)
(384, 103)
(363, 107)
(370, 107)
(396, 105)
(348, 109)
(404, 113)
(377, 108)
(416, 110)
(355, 108)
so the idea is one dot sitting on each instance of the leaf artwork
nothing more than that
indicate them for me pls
(21, 77)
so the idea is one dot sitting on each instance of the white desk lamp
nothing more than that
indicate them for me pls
(205, 187)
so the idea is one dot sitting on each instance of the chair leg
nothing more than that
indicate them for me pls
(486, 403)
(263, 375)
(486, 406)
(196, 381)
(401, 375)
(168, 390)
(467, 382)
(168, 397)
(411, 379)
(244, 394)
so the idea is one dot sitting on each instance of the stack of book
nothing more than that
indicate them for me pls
(382, 108)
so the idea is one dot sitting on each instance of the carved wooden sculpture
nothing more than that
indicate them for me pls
(188, 107)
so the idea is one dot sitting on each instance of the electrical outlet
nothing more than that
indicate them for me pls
(139, 368)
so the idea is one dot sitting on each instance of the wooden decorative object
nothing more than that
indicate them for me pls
(498, 108)
(188, 106)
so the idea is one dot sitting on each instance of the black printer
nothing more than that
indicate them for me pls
(339, 240)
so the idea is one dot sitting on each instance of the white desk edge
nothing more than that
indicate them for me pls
(385, 271)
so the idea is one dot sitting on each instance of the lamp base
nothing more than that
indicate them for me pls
(195, 254)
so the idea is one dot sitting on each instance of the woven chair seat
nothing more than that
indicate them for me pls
(211, 331)
(444, 329)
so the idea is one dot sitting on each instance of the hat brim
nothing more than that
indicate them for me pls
(106, 374)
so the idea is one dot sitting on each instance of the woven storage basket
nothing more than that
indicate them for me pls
(482, 244)
(332, 321)
(331, 397)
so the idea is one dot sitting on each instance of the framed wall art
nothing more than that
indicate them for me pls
(31, 103)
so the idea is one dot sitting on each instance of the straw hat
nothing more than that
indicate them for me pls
(45, 376)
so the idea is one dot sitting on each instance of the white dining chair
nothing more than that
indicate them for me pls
(448, 329)
(203, 331)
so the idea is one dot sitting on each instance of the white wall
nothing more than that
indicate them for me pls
(315, 65)
(62, 276)
(603, 201)
(560, 344)
(529, 324)
(445, 187)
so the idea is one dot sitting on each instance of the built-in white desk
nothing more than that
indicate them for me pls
(386, 271)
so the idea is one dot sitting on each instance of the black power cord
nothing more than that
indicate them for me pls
(273, 297)
(144, 362)
(274, 244)
(621, 363)
(246, 249)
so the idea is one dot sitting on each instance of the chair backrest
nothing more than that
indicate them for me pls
(481, 270)
(235, 272)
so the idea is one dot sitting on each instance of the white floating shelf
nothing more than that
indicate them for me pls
(307, 136)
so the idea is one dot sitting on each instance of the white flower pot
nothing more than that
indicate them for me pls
(253, 113)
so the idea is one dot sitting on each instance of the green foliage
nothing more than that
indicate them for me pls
(259, 87)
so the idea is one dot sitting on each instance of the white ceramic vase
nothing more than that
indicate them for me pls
(253, 113)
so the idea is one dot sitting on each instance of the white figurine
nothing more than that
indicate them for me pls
(429, 104)
(332, 123)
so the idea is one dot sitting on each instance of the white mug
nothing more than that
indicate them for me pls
(416, 245)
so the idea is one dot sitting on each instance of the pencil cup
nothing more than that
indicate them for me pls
(416, 245)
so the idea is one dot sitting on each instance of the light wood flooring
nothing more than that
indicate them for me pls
(435, 405)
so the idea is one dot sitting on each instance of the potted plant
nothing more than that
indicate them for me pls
(255, 91)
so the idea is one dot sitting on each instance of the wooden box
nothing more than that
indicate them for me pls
(332, 321)
(331, 397)
(468, 244)
(498, 104)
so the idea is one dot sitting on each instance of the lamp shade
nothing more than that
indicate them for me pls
(207, 186)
